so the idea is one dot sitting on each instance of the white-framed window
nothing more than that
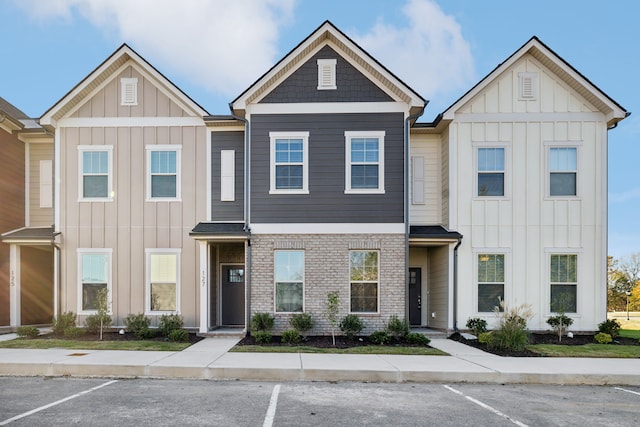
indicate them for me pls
(162, 281)
(364, 278)
(327, 74)
(289, 162)
(491, 168)
(95, 181)
(563, 171)
(94, 274)
(129, 91)
(289, 281)
(364, 161)
(563, 282)
(490, 277)
(163, 172)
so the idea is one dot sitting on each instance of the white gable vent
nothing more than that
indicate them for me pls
(326, 74)
(129, 91)
(528, 85)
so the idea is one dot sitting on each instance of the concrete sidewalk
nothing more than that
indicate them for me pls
(210, 359)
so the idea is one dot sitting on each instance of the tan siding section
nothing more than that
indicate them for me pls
(444, 156)
(38, 217)
(438, 287)
(428, 147)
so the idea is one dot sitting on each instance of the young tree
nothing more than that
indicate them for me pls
(331, 312)
(103, 309)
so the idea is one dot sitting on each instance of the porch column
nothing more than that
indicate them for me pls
(14, 285)
(204, 287)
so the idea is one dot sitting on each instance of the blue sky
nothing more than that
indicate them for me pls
(214, 49)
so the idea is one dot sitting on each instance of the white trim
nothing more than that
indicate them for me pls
(147, 279)
(14, 285)
(205, 295)
(226, 128)
(327, 74)
(328, 228)
(379, 252)
(328, 108)
(506, 173)
(274, 136)
(275, 309)
(209, 172)
(57, 181)
(27, 185)
(528, 117)
(75, 122)
(109, 254)
(348, 136)
(110, 192)
(160, 147)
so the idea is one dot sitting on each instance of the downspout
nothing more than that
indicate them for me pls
(455, 285)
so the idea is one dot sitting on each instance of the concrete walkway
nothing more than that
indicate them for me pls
(210, 359)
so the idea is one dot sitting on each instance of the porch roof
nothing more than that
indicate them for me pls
(432, 232)
(29, 235)
(219, 230)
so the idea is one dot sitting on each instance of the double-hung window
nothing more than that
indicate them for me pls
(163, 176)
(289, 281)
(364, 269)
(95, 183)
(491, 170)
(563, 168)
(163, 280)
(289, 162)
(490, 281)
(564, 283)
(364, 169)
(94, 273)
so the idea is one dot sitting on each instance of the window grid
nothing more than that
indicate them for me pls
(364, 162)
(289, 162)
(94, 182)
(491, 169)
(563, 167)
(163, 172)
(563, 280)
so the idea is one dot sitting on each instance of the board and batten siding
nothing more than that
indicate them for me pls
(426, 148)
(227, 210)
(438, 279)
(326, 201)
(40, 216)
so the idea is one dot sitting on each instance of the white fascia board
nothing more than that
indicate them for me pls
(74, 122)
(529, 117)
(328, 108)
(328, 228)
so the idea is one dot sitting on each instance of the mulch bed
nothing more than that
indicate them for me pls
(320, 341)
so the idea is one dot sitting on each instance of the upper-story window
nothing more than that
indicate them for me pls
(163, 176)
(491, 171)
(129, 91)
(563, 168)
(327, 74)
(95, 182)
(289, 162)
(364, 168)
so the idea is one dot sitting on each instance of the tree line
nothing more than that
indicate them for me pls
(623, 276)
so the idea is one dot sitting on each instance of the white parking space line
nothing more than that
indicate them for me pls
(628, 391)
(485, 406)
(42, 408)
(273, 403)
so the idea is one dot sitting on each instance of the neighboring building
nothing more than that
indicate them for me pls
(321, 179)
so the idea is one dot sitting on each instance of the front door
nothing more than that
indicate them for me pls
(415, 296)
(232, 295)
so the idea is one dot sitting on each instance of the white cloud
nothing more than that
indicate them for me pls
(624, 196)
(429, 53)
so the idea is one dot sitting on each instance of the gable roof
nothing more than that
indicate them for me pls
(573, 78)
(327, 33)
(104, 72)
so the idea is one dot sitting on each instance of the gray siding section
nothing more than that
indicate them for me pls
(227, 211)
(326, 201)
(302, 85)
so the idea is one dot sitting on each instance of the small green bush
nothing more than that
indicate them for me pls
(485, 338)
(178, 335)
(380, 338)
(262, 337)
(415, 338)
(74, 332)
(351, 325)
(291, 336)
(301, 322)
(603, 338)
(139, 326)
(610, 326)
(62, 322)
(261, 322)
(398, 328)
(92, 323)
(477, 325)
(169, 323)
(560, 324)
(27, 331)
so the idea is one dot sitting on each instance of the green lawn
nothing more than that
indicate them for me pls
(369, 349)
(630, 333)
(94, 345)
(587, 350)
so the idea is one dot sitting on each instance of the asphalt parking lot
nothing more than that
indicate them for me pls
(41, 401)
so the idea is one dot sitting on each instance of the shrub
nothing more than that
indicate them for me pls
(610, 326)
(512, 330)
(27, 331)
(262, 337)
(178, 335)
(261, 322)
(62, 322)
(380, 338)
(351, 325)
(331, 310)
(138, 325)
(603, 338)
(398, 328)
(95, 322)
(291, 336)
(477, 325)
(301, 322)
(74, 332)
(485, 338)
(169, 323)
(416, 338)
(560, 324)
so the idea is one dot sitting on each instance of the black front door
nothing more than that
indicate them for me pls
(415, 296)
(232, 295)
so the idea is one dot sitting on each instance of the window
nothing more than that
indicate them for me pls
(491, 171)
(94, 272)
(163, 178)
(327, 74)
(95, 171)
(563, 164)
(490, 281)
(289, 162)
(363, 275)
(163, 286)
(129, 91)
(364, 171)
(289, 281)
(564, 283)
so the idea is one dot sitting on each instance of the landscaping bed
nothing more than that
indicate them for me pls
(115, 336)
(325, 341)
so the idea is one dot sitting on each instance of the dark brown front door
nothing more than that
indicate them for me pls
(232, 295)
(415, 296)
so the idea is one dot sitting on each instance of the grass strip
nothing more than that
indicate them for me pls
(94, 345)
(587, 350)
(629, 333)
